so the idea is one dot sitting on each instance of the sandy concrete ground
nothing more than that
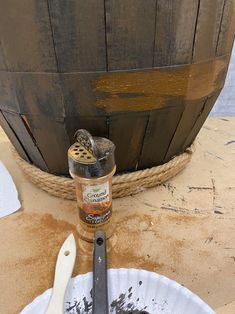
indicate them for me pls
(184, 229)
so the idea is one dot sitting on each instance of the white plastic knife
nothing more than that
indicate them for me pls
(63, 271)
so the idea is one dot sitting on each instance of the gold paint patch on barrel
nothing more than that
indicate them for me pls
(140, 90)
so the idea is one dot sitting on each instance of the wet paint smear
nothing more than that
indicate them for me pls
(79, 307)
(124, 304)
(121, 305)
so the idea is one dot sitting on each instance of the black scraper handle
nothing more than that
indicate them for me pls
(100, 289)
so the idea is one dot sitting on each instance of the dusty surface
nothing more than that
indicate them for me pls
(184, 229)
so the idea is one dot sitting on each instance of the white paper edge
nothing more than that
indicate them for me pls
(17, 205)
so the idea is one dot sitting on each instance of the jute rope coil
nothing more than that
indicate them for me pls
(123, 185)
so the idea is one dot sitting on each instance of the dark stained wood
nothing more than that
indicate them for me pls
(187, 120)
(40, 99)
(51, 136)
(56, 105)
(130, 33)
(79, 94)
(227, 29)
(12, 137)
(79, 34)
(127, 133)
(26, 37)
(3, 61)
(39, 94)
(144, 73)
(200, 119)
(8, 92)
(207, 30)
(160, 130)
(175, 27)
(23, 132)
(97, 126)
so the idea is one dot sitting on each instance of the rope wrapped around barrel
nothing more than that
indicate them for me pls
(123, 184)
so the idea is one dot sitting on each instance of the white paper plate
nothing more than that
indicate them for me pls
(130, 291)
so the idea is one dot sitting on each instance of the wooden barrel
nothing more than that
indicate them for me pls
(144, 73)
